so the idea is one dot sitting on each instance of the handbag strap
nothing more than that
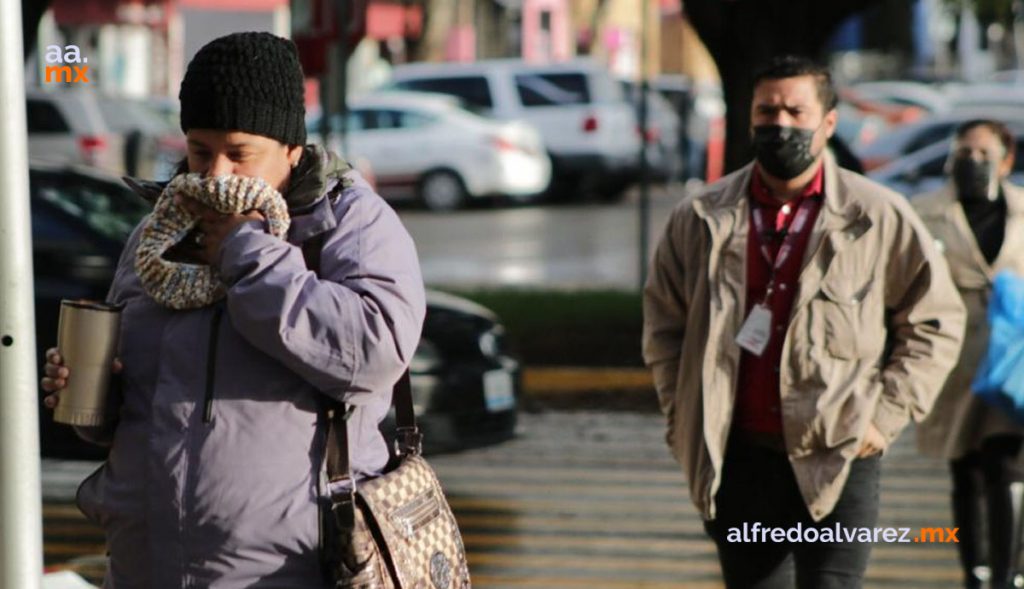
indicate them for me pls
(409, 440)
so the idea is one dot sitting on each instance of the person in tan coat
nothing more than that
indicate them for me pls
(978, 220)
(796, 317)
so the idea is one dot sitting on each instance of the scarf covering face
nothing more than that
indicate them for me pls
(180, 285)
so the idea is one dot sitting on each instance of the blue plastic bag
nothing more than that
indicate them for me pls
(1000, 378)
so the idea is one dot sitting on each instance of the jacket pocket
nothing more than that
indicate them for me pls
(853, 317)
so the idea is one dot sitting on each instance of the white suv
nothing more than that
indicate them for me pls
(587, 124)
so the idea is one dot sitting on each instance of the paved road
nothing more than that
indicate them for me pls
(590, 245)
(593, 500)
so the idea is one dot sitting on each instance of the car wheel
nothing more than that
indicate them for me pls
(442, 191)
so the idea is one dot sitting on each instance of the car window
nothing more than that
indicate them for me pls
(43, 117)
(409, 119)
(552, 89)
(933, 134)
(394, 119)
(358, 120)
(388, 119)
(475, 91)
(125, 116)
(934, 167)
(109, 209)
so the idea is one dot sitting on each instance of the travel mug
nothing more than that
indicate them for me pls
(87, 339)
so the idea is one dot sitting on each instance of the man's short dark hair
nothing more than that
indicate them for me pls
(999, 129)
(792, 66)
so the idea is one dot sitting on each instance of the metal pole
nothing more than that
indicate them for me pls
(326, 79)
(344, 30)
(1018, 32)
(21, 544)
(645, 188)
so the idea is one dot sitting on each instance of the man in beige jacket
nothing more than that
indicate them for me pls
(796, 317)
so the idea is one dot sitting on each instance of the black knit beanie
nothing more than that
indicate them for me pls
(249, 82)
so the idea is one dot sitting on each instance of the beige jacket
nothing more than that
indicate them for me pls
(960, 421)
(871, 273)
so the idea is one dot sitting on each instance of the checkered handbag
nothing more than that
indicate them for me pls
(395, 531)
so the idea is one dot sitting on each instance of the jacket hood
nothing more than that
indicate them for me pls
(318, 169)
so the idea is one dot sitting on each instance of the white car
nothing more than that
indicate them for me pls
(907, 139)
(586, 121)
(67, 127)
(427, 146)
(925, 169)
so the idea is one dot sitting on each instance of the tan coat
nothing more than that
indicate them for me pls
(870, 272)
(960, 421)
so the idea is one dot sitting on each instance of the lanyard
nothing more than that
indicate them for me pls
(808, 206)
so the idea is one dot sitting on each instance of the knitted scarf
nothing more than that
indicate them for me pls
(180, 285)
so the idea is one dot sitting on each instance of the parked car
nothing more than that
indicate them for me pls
(985, 95)
(924, 170)
(587, 124)
(662, 137)
(466, 383)
(67, 127)
(701, 108)
(905, 93)
(892, 112)
(904, 140)
(426, 146)
(80, 219)
(858, 129)
(152, 147)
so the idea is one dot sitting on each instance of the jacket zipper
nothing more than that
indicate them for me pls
(211, 363)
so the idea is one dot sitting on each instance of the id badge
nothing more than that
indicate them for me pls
(756, 330)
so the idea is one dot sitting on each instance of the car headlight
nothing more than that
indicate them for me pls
(490, 342)
(426, 358)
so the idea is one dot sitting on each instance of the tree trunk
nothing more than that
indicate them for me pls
(440, 17)
(743, 35)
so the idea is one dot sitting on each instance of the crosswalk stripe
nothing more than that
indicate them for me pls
(596, 493)
(614, 545)
(77, 548)
(62, 510)
(590, 566)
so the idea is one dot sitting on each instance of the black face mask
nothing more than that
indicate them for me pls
(973, 178)
(783, 152)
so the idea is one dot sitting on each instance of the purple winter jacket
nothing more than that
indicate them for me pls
(216, 463)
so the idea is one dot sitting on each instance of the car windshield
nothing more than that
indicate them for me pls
(108, 208)
(125, 116)
(552, 89)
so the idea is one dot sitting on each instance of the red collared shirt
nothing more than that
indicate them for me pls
(757, 395)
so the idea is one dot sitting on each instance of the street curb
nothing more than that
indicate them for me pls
(578, 380)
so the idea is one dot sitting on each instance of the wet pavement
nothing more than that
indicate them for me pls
(568, 246)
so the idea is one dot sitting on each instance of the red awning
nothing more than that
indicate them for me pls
(103, 12)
